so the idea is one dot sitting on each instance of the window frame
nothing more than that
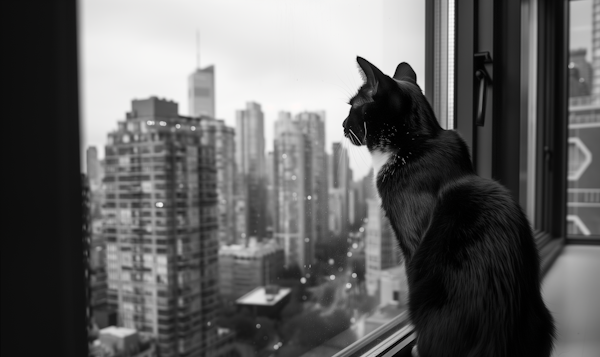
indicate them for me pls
(550, 200)
(43, 275)
(573, 238)
(56, 265)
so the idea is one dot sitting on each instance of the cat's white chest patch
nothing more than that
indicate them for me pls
(379, 159)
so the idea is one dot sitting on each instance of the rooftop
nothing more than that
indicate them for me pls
(259, 296)
(121, 332)
(252, 249)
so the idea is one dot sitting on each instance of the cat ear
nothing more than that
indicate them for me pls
(372, 76)
(405, 72)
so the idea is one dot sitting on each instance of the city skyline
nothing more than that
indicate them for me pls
(184, 248)
(292, 56)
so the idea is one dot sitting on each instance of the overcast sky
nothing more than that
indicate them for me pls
(289, 55)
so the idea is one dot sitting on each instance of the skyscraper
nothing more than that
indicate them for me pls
(86, 235)
(339, 187)
(294, 214)
(251, 171)
(221, 137)
(312, 124)
(381, 247)
(93, 166)
(161, 228)
(201, 92)
(270, 194)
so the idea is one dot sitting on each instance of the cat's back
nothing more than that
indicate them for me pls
(477, 218)
(478, 268)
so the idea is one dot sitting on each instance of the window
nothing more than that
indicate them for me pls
(583, 173)
(279, 75)
(546, 220)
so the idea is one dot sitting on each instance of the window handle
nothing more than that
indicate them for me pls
(484, 79)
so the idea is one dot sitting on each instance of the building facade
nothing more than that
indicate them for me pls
(312, 124)
(221, 137)
(243, 267)
(294, 224)
(381, 247)
(161, 228)
(201, 92)
(93, 167)
(339, 188)
(270, 195)
(251, 171)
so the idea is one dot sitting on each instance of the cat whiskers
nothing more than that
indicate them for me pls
(354, 136)
(365, 124)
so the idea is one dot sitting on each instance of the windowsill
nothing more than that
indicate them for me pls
(389, 339)
(571, 289)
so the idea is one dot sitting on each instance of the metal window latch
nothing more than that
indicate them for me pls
(481, 58)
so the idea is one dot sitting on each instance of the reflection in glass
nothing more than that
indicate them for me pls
(583, 195)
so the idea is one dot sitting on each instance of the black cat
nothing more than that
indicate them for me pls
(472, 265)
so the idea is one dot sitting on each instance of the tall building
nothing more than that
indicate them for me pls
(201, 92)
(312, 124)
(86, 235)
(294, 226)
(382, 250)
(351, 206)
(360, 201)
(94, 170)
(270, 195)
(339, 187)
(104, 314)
(221, 137)
(95, 174)
(161, 228)
(243, 267)
(251, 171)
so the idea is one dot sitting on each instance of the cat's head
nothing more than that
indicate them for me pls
(387, 112)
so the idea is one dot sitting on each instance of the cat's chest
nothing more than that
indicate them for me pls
(379, 158)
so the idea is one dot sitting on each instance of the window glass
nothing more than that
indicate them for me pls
(443, 62)
(529, 126)
(271, 238)
(583, 171)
